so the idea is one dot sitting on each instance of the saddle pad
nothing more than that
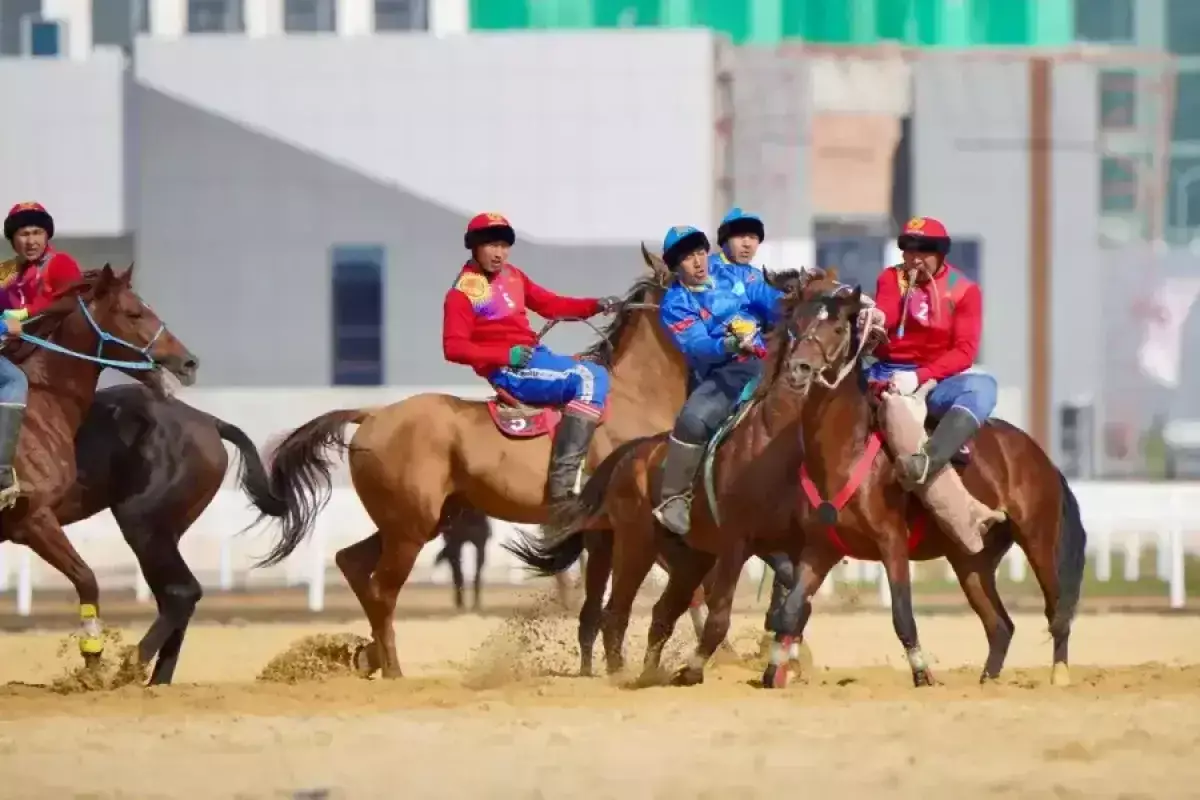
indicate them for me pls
(524, 422)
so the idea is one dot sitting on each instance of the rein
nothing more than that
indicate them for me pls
(105, 338)
(638, 306)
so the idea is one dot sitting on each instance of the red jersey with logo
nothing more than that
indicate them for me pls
(484, 315)
(943, 326)
(36, 285)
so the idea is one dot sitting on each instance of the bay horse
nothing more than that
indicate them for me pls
(756, 493)
(413, 461)
(93, 324)
(157, 463)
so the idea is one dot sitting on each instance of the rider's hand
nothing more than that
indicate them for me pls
(904, 381)
(520, 356)
(872, 322)
(607, 305)
(12, 326)
(731, 343)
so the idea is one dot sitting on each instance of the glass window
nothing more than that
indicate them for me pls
(1183, 195)
(1109, 21)
(358, 315)
(115, 22)
(401, 15)
(310, 16)
(45, 37)
(1183, 27)
(1118, 185)
(1118, 99)
(12, 30)
(215, 16)
(1187, 107)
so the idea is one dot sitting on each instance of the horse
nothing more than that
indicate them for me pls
(872, 518)
(157, 463)
(468, 526)
(415, 460)
(756, 493)
(100, 314)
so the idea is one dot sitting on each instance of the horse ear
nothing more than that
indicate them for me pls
(127, 275)
(656, 264)
(831, 274)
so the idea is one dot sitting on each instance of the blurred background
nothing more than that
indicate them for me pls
(293, 177)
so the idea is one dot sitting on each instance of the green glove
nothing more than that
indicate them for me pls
(520, 356)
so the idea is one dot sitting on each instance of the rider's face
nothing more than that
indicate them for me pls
(491, 256)
(29, 243)
(742, 247)
(693, 268)
(927, 263)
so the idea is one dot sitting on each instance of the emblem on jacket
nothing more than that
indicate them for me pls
(475, 287)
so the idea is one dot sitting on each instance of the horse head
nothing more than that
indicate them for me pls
(822, 343)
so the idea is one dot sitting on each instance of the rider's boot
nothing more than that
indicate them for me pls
(674, 508)
(942, 490)
(12, 415)
(568, 453)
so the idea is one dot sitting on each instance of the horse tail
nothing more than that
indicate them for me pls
(300, 475)
(1070, 561)
(550, 556)
(251, 474)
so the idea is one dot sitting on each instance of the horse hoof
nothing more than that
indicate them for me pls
(391, 673)
(1060, 675)
(923, 678)
(93, 661)
(364, 660)
(688, 676)
(586, 671)
(648, 679)
(985, 679)
(775, 676)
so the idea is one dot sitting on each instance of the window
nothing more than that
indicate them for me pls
(1183, 195)
(1183, 27)
(401, 15)
(1118, 185)
(310, 16)
(357, 316)
(1118, 100)
(43, 37)
(1187, 107)
(115, 22)
(215, 16)
(13, 34)
(1107, 21)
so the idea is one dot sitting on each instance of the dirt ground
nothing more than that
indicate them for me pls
(489, 710)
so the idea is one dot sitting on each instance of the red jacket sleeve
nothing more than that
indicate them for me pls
(888, 298)
(62, 272)
(968, 327)
(458, 321)
(554, 306)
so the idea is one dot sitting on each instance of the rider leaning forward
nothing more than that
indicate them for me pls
(716, 310)
(29, 283)
(486, 328)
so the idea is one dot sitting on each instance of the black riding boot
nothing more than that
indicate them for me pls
(568, 453)
(953, 431)
(11, 418)
(679, 470)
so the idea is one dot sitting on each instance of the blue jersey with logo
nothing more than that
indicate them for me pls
(734, 297)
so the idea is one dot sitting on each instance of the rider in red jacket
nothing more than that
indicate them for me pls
(486, 328)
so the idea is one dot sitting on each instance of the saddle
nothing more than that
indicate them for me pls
(518, 420)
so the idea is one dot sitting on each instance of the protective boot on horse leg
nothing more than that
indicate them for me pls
(716, 309)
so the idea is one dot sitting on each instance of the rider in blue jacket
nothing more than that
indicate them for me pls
(739, 236)
(716, 311)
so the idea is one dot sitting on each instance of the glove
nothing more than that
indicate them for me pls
(737, 344)
(872, 323)
(904, 381)
(520, 356)
(606, 305)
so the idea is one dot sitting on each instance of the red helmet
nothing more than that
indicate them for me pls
(924, 233)
(28, 215)
(487, 228)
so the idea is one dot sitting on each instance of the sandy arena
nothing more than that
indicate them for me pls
(489, 710)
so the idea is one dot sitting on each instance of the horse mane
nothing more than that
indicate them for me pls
(603, 349)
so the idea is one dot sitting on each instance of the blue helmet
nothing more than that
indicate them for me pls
(737, 222)
(681, 240)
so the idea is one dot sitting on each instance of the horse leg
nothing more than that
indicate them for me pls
(480, 558)
(977, 577)
(720, 605)
(894, 551)
(596, 571)
(688, 569)
(454, 556)
(402, 543)
(1042, 562)
(783, 580)
(788, 619)
(357, 562)
(40, 531)
(634, 552)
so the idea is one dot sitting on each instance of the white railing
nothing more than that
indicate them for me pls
(1126, 518)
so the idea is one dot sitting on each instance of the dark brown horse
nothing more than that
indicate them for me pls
(756, 496)
(882, 522)
(98, 322)
(412, 461)
(157, 463)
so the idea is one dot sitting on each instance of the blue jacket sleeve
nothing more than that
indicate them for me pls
(689, 331)
(763, 298)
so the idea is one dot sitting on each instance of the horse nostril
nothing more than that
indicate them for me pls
(191, 364)
(803, 368)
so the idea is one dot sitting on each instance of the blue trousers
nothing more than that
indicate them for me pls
(14, 386)
(552, 379)
(974, 391)
(713, 400)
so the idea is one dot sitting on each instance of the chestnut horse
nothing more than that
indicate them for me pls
(99, 322)
(413, 461)
(756, 495)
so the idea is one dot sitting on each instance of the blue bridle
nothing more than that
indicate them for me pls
(105, 338)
